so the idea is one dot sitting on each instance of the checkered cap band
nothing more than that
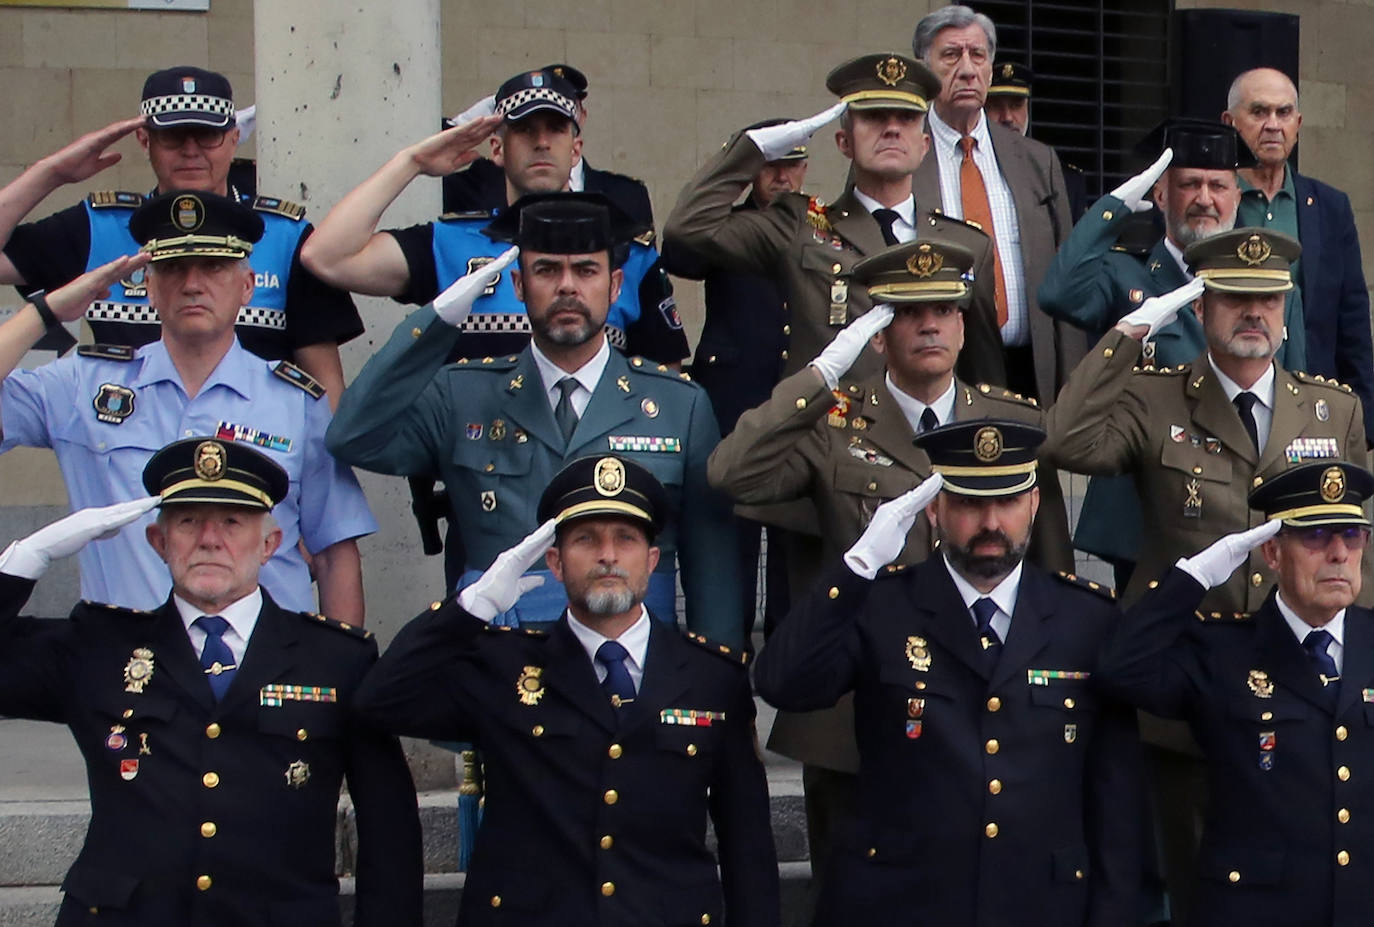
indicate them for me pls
(533, 94)
(188, 103)
(143, 314)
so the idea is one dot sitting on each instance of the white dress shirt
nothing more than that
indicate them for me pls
(635, 640)
(1003, 596)
(1335, 627)
(1263, 388)
(1177, 253)
(587, 376)
(949, 157)
(912, 407)
(905, 226)
(241, 615)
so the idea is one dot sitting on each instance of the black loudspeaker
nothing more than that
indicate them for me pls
(1210, 47)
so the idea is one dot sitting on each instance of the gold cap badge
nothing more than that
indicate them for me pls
(987, 444)
(210, 460)
(1254, 250)
(610, 476)
(892, 70)
(1333, 484)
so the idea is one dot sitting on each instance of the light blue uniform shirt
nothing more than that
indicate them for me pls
(104, 418)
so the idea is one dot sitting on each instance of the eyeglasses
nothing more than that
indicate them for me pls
(205, 137)
(1317, 538)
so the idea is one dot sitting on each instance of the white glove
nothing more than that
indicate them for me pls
(483, 107)
(504, 582)
(1135, 193)
(29, 557)
(1213, 566)
(247, 120)
(885, 536)
(454, 304)
(841, 353)
(776, 141)
(1158, 311)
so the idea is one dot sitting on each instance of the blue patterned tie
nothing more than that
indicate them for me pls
(216, 657)
(1315, 643)
(618, 684)
(983, 610)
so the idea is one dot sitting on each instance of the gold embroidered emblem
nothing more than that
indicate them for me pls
(1333, 484)
(138, 672)
(1254, 250)
(925, 262)
(987, 444)
(1007, 71)
(918, 653)
(1260, 684)
(209, 460)
(530, 685)
(892, 70)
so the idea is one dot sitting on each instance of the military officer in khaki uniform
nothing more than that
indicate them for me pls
(809, 247)
(1197, 438)
(846, 445)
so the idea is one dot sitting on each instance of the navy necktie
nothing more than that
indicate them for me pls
(564, 413)
(1315, 643)
(983, 610)
(928, 419)
(886, 218)
(215, 657)
(620, 688)
(1245, 405)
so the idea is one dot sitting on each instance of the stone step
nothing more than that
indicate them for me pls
(37, 906)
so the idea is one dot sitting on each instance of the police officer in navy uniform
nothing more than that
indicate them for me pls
(188, 131)
(496, 430)
(217, 728)
(995, 787)
(1279, 700)
(536, 127)
(481, 187)
(612, 735)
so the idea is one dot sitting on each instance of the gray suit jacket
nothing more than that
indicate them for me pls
(1036, 179)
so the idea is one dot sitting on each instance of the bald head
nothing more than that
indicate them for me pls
(1263, 106)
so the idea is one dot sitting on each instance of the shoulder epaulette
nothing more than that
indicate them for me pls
(506, 629)
(644, 365)
(104, 199)
(891, 570)
(486, 363)
(106, 606)
(470, 214)
(1073, 579)
(1320, 380)
(1223, 617)
(299, 378)
(1001, 392)
(943, 215)
(351, 629)
(720, 650)
(1162, 371)
(279, 207)
(645, 238)
(115, 352)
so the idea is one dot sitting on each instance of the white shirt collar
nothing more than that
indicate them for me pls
(1335, 627)
(1177, 253)
(1003, 595)
(587, 376)
(242, 616)
(943, 133)
(1263, 388)
(577, 178)
(905, 210)
(911, 407)
(635, 640)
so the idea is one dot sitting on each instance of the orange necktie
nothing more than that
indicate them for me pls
(976, 207)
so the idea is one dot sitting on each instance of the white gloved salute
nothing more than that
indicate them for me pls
(885, 536)
(1135, 192)
(479, 110)
(1214, 565)
(504, 582)
(776, 141)
(247, 120)
(29, 557)
(1159, 311)
(841, 353)
(455, 303)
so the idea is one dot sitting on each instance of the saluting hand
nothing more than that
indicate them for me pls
(1158, 311)
(455, 303)
(90, 154)
(776, 141)
(841, 353)
(1214, 565)
(1135, 192)
(69, 302)
(29, 557)
(504, 582)
(885, 536)
(483, 107)
(454, 148)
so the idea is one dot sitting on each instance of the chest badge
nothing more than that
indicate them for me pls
(530, 686)
(623, 383)
(650, 407)
(497, 431)
(1323, 410)
(1070, 733)
(1260, 684)
(298, 774)
(138, 672)
(488, 500)
(128, 770)
(113, 403)
(918, 653)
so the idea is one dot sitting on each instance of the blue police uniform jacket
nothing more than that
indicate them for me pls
(991, 792)
(1287, 840)
(486, 428)
(105, 416)
(254, 845)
